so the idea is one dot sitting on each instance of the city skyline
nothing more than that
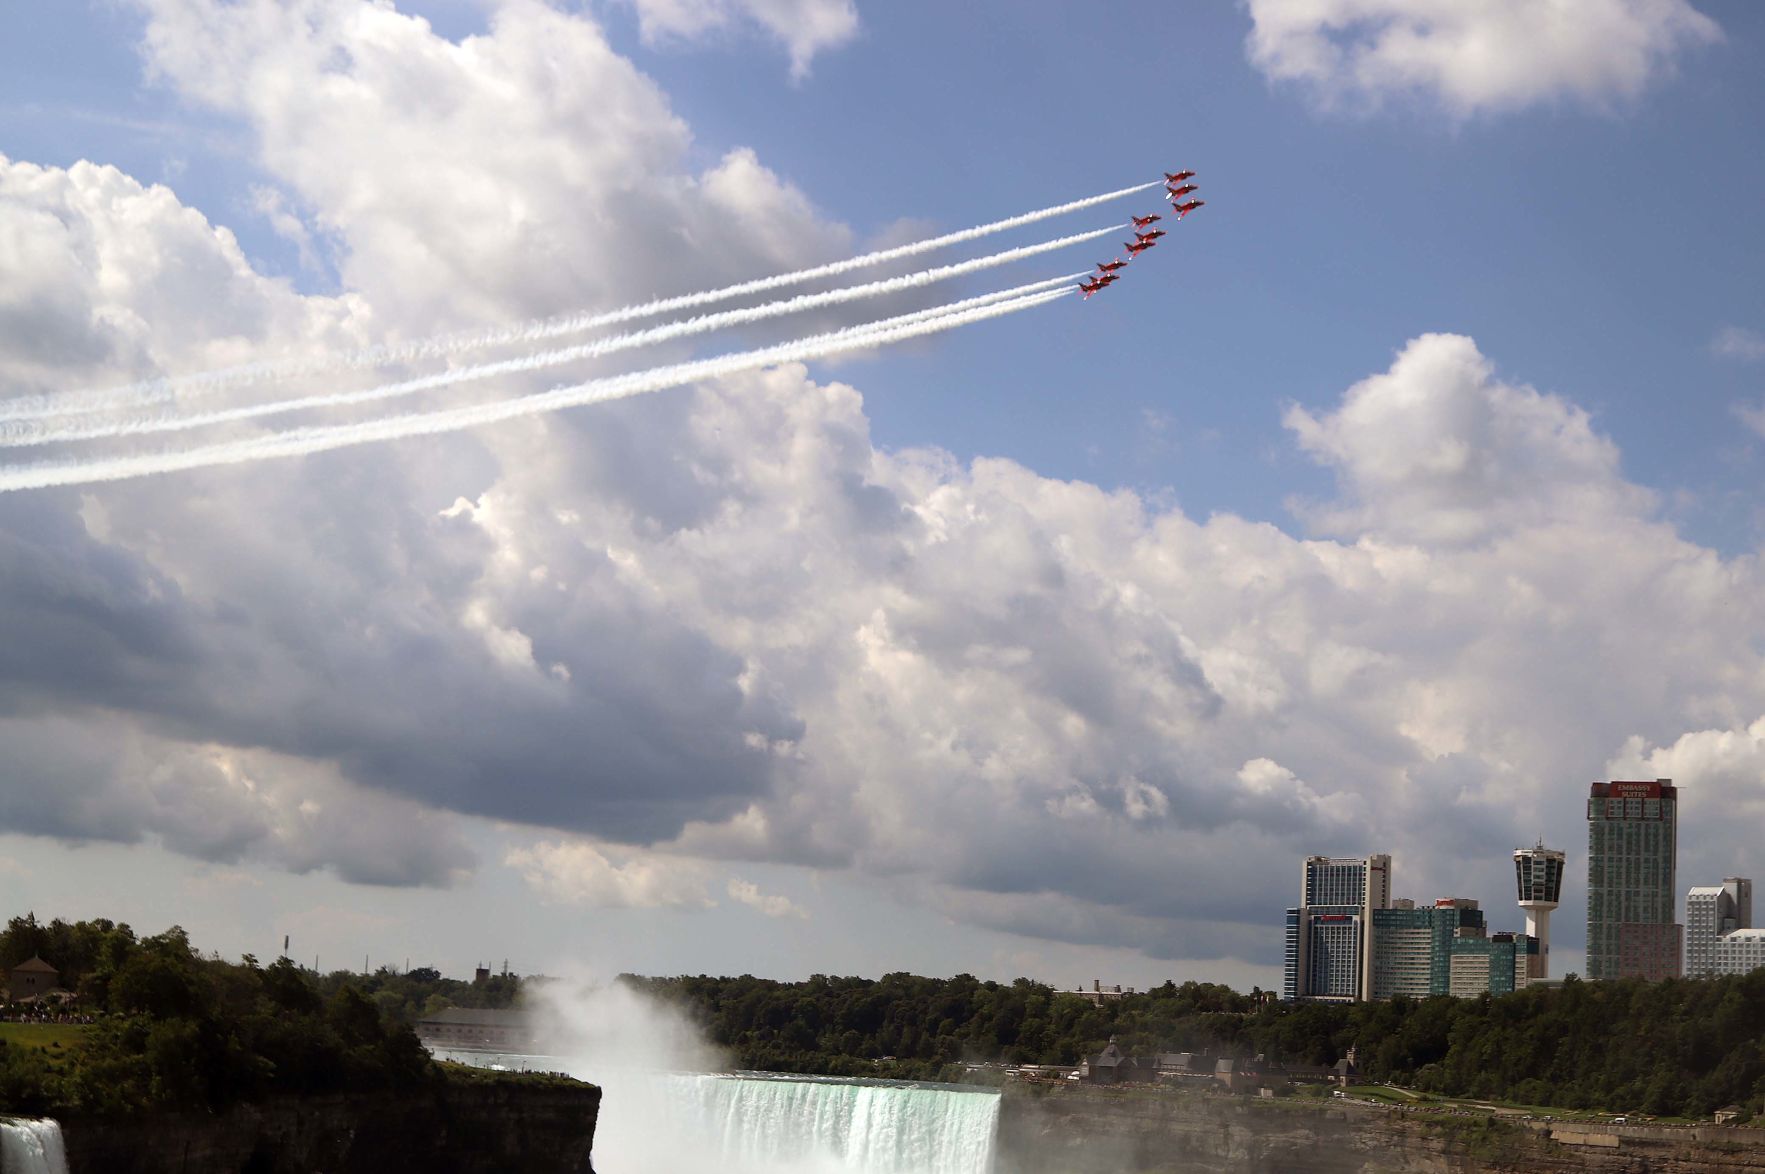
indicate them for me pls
(1350, 940)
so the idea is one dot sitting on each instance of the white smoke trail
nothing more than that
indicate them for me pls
(14, 434)
(304, 441)
(154, 392)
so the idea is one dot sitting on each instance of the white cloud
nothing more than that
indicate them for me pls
(1438, 450)
(1737, 342)
(748, 893)
(574, 872)
(1485, 57)
(804, 27)
(1721, 775)
(110, 278)
(525, 171)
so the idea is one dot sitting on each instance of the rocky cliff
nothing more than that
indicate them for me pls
(489, 1127)
(1060, 1130)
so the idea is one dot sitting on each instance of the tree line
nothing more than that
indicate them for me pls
(80, 949)
(173, 1028)
(1682, 1047)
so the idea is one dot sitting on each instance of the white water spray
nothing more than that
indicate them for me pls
(305, 441)
(15, 434)
(665, 1109)
(31, 1147)
(150, 392)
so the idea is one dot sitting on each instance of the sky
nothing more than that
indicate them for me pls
(1408, 487)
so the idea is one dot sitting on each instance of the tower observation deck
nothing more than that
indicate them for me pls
(1538, 875)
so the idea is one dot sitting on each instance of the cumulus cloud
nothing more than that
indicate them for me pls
(1488, 57)
(1438, 449)
(1721, 773)
(270, 613)
(524, 171)
(804, 27)
(94, 259)
(575, 872)
(726, 624)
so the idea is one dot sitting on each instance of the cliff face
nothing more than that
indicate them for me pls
(492, 1127)
(1050, 1130)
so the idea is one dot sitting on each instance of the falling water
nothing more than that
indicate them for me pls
(763, 1123)
(31, 1147)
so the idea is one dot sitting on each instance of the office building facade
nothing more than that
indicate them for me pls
(1632, 856)
(1498, 964)
(1711, 913)
(1412, 947)
(1738, 952)
(1329, 934)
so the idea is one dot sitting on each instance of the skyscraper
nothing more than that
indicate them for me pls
(1632, 854)
(1329, 947)
(1712, 913)
(1538, 877)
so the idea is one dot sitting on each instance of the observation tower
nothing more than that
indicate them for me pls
(1538, 874)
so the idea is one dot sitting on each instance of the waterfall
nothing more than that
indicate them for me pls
(31, 1147)
(756, 1124)
(764, 1123)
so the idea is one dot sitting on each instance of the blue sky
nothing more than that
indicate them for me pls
(1594, 253)
(1598, 240)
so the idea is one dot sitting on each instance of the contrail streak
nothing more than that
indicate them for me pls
(303, 441)
(17, 433)
(152, 392)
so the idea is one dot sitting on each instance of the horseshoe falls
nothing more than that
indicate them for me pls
(31, 1147)
(766, 1123)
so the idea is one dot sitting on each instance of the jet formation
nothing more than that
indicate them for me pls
(1176, 188)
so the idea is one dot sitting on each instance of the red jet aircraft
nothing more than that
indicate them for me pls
(1138, 247)
(1110, 266)
(1177, 193)
(1092, 286)
(1184, 209)
(1179, 177)
(1149, 236)
(1143, 221)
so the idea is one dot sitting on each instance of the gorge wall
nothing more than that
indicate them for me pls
(491, 1127)
(1058, 1130)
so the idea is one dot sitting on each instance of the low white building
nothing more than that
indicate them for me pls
(1712, 913)
(1739, 952)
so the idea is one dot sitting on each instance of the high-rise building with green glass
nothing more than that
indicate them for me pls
(1632, 855)
(1412, 947)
